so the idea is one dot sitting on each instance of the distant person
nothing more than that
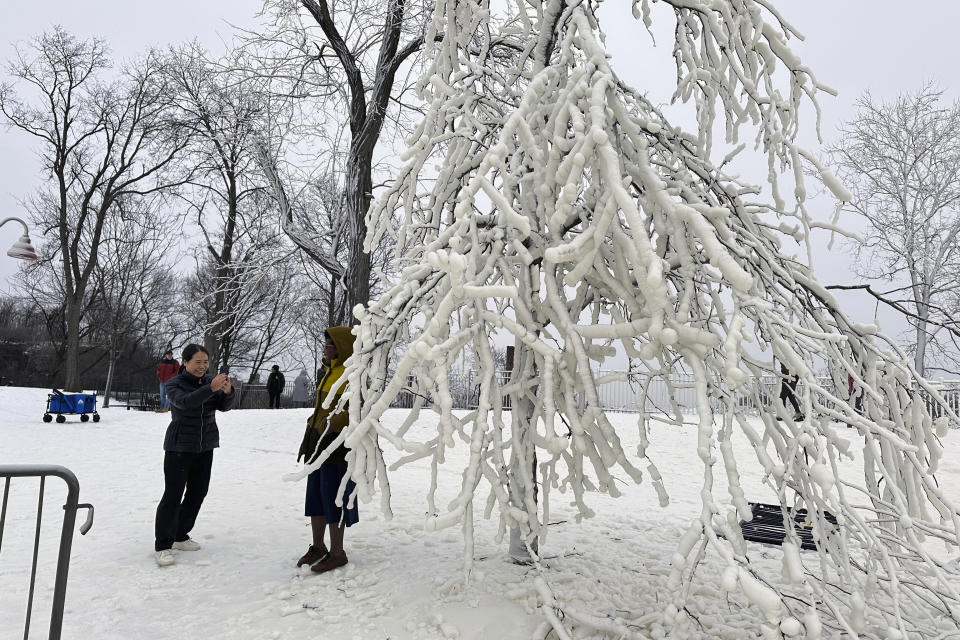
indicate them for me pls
(323, 484)
(857, 399)
(302, 390)
(275, 384)
(195, 397)
(167, 368)
(788, 391)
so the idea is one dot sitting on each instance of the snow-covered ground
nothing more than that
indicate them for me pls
(402, 582)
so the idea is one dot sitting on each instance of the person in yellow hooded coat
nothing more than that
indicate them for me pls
(323, 484)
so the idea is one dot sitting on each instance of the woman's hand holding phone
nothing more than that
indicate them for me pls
(221, 382)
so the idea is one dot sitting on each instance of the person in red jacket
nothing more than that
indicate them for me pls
(167, 368)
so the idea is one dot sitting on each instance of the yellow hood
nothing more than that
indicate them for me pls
(343, 340)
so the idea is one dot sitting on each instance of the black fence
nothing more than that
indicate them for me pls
(141, 400)
(249, 396)
(255, 396)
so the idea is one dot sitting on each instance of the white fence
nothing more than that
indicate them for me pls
(625, 394)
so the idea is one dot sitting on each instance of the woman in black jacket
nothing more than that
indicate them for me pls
(195, 396)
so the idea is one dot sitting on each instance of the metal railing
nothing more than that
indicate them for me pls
(255, 396)
(142, 400)
(615, 395)
(66, 534)
(665, 395)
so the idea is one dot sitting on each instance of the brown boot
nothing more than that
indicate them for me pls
(313, 554)
(332, 561)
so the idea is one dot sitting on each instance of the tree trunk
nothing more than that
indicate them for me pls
(358, 283)
(72, 357)
(523, 464)
(226, 349)
(360, 195)
(211, 343)
(214, 334)
(109, 384)
(223, 310)
(523, 461)
(919, 358)
(923, 312)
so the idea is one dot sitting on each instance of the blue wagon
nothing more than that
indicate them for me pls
(61, 404)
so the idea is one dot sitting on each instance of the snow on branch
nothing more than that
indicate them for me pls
(546, 200)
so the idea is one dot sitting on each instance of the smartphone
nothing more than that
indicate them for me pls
(225, 369)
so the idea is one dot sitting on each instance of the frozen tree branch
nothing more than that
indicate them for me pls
(950, 324)
(545, 200)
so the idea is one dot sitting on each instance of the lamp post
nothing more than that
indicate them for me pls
(21, 249)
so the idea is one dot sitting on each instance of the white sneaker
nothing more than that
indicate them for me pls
(187, 545)
(164, 557)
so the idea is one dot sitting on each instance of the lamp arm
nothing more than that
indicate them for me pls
(26, 230)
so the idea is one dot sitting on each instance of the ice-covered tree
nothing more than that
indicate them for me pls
(901, 161)
(545, 198)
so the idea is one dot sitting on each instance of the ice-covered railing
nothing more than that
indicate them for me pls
(545, 198)
(629, 392)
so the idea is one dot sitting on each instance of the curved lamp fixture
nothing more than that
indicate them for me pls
(21, 249)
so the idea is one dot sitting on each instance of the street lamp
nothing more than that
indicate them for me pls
(21, 249)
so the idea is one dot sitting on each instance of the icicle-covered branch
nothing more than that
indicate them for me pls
(567, 212)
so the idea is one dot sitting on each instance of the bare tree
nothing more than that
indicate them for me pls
(901, 162)
(259, 299)
(99, 142)
(321, 211)
(133, 283)
(41, 282)
(270, 330)
(31, 357)
(28, 328)
(311, 322)
(225, 198)
(348, 56)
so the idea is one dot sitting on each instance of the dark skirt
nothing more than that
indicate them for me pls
(321, 500)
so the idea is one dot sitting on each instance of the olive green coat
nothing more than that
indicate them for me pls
(325, 424)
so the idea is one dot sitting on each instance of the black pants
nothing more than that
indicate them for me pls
(275, 399)
(786, 393)
(177, 513)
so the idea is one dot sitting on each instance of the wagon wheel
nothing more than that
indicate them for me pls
(61, 419)
(96, 417)
(84, 417)
(47, 417)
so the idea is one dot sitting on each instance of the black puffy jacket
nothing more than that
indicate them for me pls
(193, 406)
(276, 382)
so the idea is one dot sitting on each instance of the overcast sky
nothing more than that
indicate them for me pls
(851, 45)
